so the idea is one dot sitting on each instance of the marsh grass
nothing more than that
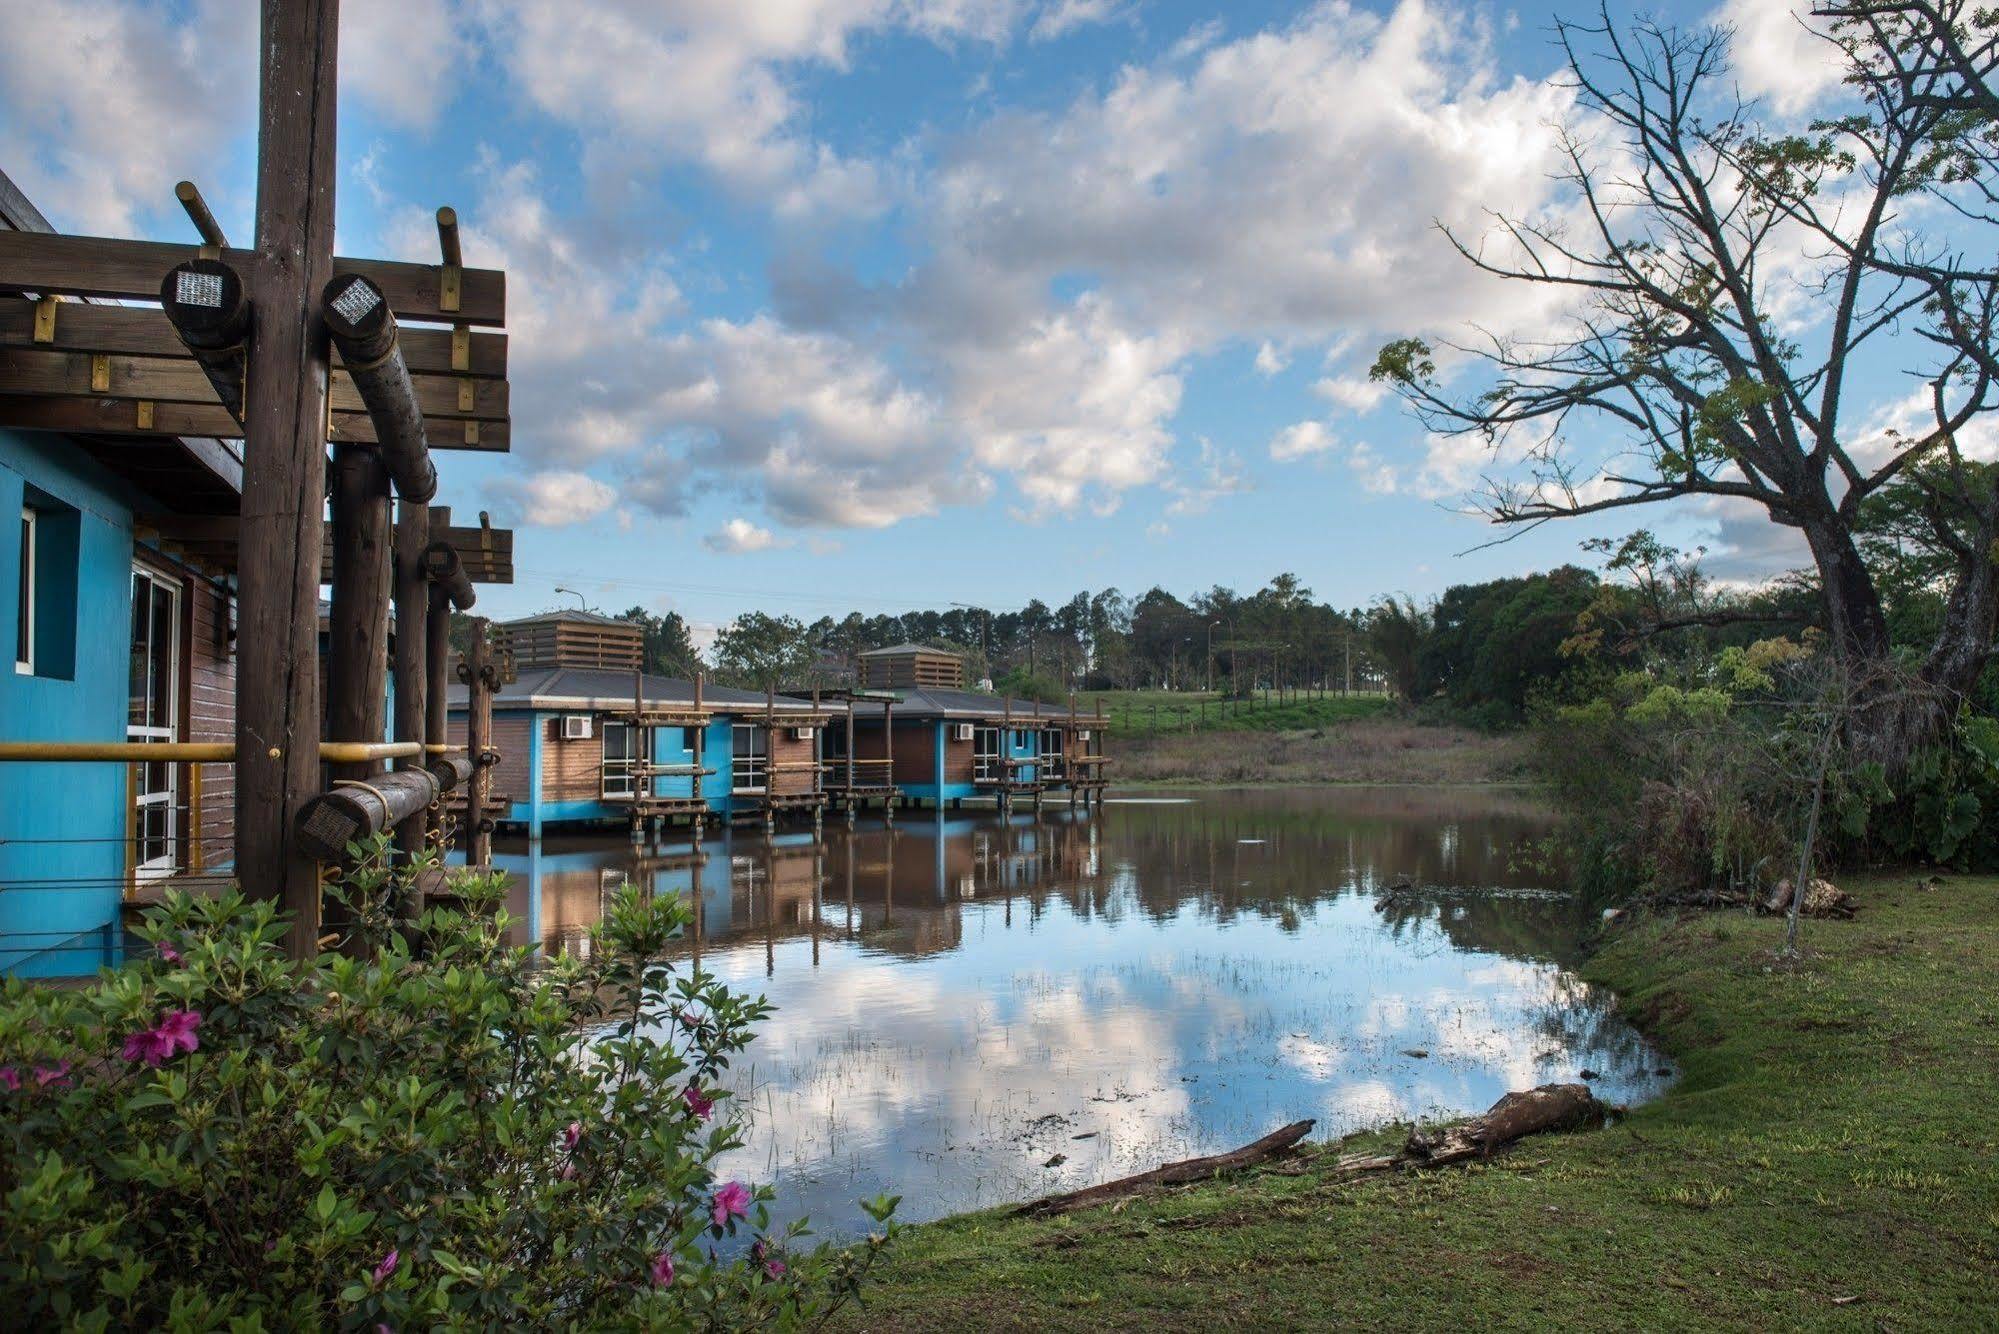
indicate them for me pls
(1370, 750)
(1826, 1161)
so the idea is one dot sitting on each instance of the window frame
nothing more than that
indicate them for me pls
(753, 763)
(167, 797)
(25, 626)
(622, 769)
(986, 761)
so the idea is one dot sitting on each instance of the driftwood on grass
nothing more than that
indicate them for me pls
(1536, 1111)
(1173, 1174)
(1823, 899)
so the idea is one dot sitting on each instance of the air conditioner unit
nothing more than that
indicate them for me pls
(576, 727)
(1082, 734)
(962, 731)
(801, 734)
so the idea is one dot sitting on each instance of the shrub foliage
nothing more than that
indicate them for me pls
(430, 1127)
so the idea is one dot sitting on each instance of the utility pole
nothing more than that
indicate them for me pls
(284, 460)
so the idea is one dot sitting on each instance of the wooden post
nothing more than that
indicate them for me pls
(888, 753)
(700, 749)
(284, 461)
(358, 627)
(412, 597)
(437, 663)
(481, 676)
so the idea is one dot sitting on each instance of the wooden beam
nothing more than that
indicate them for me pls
(364, 329)
(209, 308)
(96, 415)
(39, 371)
(143, 331)
(99, 266)
(412, 598)
(358, 627)
(486, 554)
(284, 473)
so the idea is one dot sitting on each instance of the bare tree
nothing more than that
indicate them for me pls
(1723, 284)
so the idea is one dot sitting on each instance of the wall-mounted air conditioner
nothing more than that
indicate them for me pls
(801, 734)
(576, 726)
(962, 731)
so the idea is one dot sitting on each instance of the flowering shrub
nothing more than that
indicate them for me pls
(426, 1128)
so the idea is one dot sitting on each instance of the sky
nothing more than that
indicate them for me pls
(820, 305)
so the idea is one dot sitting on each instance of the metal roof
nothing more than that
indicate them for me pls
(937, 702)
(575, 614)
(896, 650)
(608, 689)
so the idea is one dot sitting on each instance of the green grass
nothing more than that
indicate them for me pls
(1146, 712)
(1829, 1159)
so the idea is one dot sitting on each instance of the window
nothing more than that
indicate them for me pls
(1021, 738)
(153, 714)
(985, 754)
(1051, 751)
(621, 754)
(24, 605)
(749, 758)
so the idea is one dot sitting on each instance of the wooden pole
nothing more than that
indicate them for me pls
(363, 327)
(412, 596)
(358, 627)
(700, 749)
(480, 676)
(284, 466)
(437, 663)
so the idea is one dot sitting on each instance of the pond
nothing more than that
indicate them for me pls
(974, 1011)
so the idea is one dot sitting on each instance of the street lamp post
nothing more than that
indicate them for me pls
(581, 604)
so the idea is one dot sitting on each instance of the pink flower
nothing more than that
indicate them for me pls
(178, 1028)
(662, 1269)
(775, 1268)
(174, 1032)
(10, 1077)
(572, 1135)
(689, 1022)
(387, 1266)
(731, 1201)
(168, 954)
(698, 1102)
(566, 1172)
(760, 1254)
(58, 1073)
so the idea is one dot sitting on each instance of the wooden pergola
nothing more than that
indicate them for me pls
(292, 349)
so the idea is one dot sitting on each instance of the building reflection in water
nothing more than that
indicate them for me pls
(973, 1010)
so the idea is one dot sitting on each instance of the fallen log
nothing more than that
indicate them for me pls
(1823, 899)
(1536, 1111)
(1173, 1174)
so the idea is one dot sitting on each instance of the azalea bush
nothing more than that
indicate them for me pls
(426, 1127)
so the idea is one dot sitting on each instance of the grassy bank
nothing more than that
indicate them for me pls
(1141, 713)
(1830, 1158)
(1377, 749)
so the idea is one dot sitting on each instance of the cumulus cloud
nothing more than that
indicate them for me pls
(1778, 55)
(1269, 361)
(551, 498)
(739, 535)
(1301, 440)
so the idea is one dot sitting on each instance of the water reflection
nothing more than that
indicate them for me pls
(974, 1011)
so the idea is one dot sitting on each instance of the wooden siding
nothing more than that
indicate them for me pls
(902, 671)
(571, 770)
(787, 749)
(510, 737)
(572, 644)
(207, 711)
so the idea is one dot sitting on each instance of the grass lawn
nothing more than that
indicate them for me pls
(1143, 712)
(1829, 1159)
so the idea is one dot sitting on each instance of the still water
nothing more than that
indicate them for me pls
(974, 1011)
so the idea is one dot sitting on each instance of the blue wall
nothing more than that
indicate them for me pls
(60, 894)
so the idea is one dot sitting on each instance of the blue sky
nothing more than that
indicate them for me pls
(820, 304)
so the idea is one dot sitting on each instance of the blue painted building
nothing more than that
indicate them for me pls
(115, 636)
(591, 744)
(950, 745)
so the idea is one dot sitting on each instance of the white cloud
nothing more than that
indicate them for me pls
(551, 498)
(1356, 393)
(1777, 55)
(404, 59)
(1269, 361)
(1301, 440)
(1065, 15)
(739, 536)
(1220, 473)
